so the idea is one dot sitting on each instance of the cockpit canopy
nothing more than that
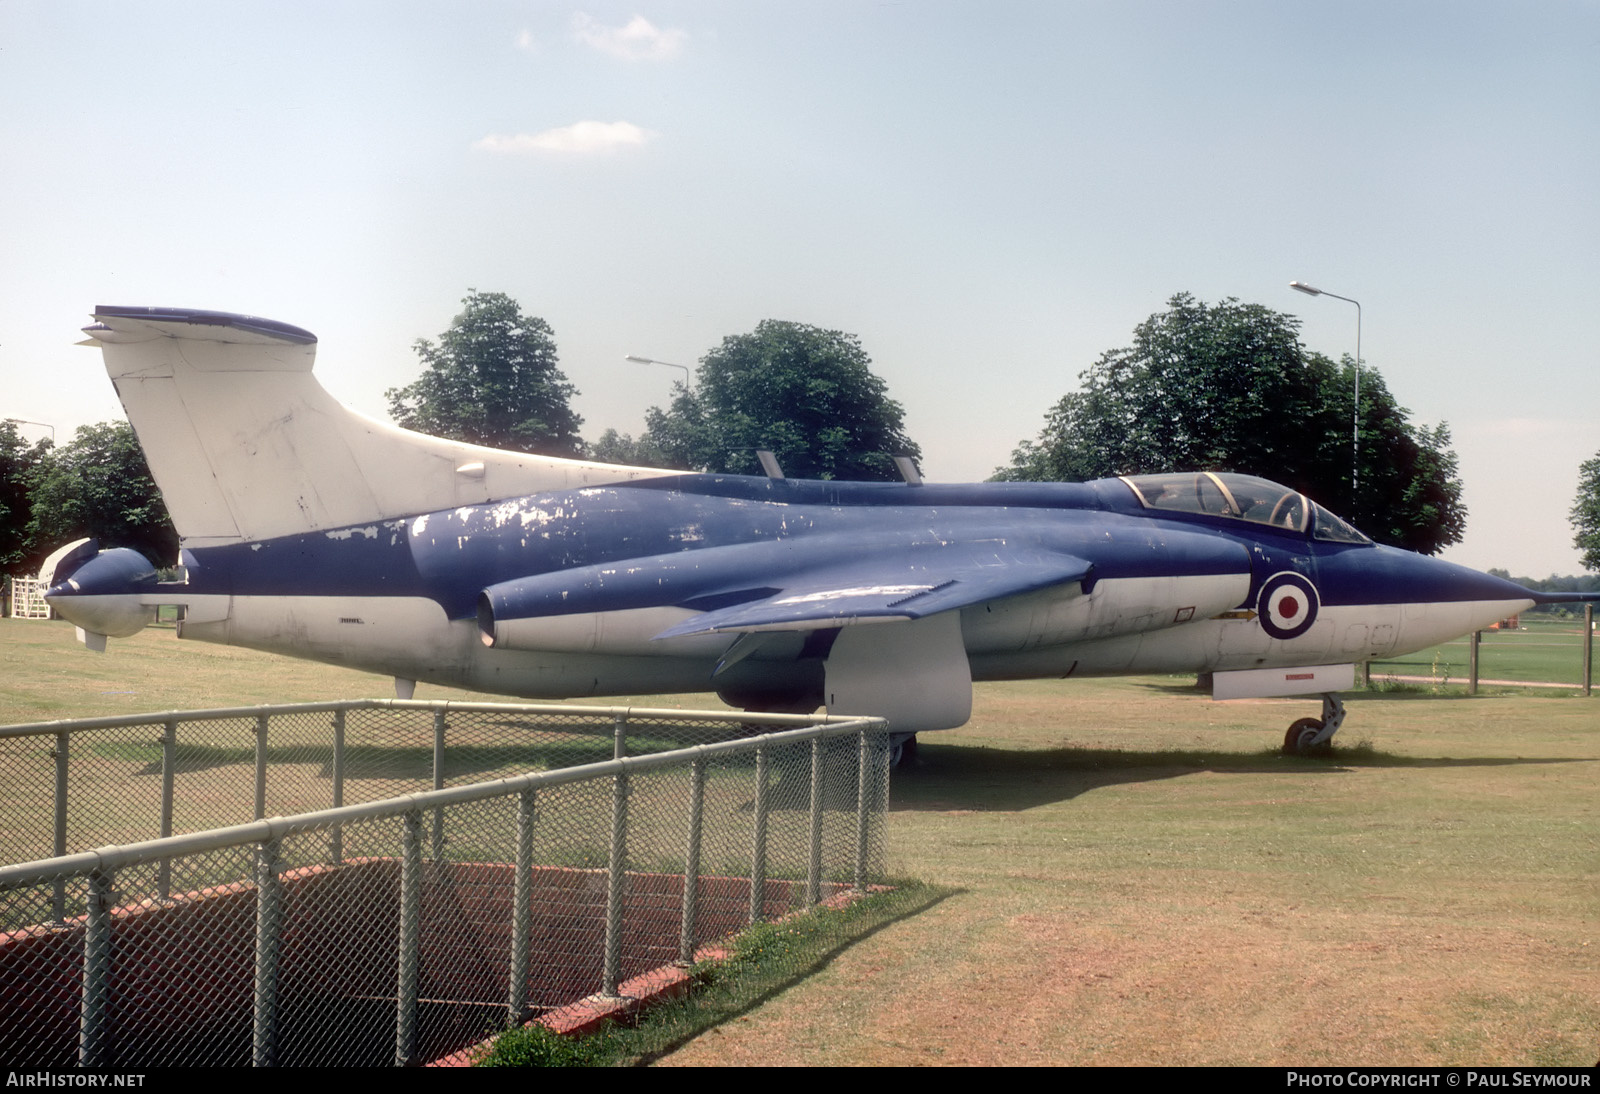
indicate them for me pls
(1241, 497)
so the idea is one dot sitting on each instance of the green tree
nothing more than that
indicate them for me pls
(1586, 513)
(19, 465)
(492, 380)
(807, 395)
(623, 448)
(99, 485)
(1229, 387)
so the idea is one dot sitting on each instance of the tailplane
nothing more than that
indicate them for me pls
(245, 444)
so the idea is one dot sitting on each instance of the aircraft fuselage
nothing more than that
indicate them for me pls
(1167, 592)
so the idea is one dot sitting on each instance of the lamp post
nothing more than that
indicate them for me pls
(652, 361)
(47, 425)
(1355, 415)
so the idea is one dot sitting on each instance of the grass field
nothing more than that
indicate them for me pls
(1140, 876)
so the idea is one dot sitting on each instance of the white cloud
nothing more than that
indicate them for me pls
(579, 139)
(526, 41)
(636, 40)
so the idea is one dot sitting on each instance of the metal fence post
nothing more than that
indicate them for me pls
(336, 839)
(691, 862)
(269, 924)
(1472, 661)
(521, 911)
(169, 775)
(758, 841)
(438, 784)
(814, 863)
(261, 765)
(58, 898)
(616, 880)
(1588, 648)
(862, 758)
(93, 1019)
(406, 982)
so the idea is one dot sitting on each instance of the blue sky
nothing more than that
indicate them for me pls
(989, 195)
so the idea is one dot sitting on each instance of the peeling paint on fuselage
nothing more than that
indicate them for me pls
(649, 538)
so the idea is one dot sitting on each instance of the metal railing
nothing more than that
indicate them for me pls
(72, 785)
(1439, 671)
(404, 929)
(26, 598)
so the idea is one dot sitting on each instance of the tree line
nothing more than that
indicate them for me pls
(1221, 387)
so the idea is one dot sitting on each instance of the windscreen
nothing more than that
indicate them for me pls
(1241, 497)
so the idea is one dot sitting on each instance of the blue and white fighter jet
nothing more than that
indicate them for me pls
(310, 530)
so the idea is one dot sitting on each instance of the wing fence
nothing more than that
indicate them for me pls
(443, 870)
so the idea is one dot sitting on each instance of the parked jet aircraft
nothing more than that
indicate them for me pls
(312, 531)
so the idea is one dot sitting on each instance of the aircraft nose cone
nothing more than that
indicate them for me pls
(1419, 578)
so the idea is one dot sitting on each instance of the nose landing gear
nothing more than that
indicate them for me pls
(1311, 735)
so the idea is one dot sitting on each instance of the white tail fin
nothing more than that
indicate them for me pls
(246, 445)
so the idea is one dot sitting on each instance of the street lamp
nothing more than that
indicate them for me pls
(652, 361)
(1355, 418)
(47, 425)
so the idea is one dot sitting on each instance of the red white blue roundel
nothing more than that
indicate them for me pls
(1288, 605)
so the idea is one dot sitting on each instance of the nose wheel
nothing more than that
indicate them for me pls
(1310, 735)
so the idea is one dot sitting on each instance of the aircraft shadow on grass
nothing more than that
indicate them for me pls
(970, 777)
(1404, 691)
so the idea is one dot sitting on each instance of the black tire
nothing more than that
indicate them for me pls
(1297, 741)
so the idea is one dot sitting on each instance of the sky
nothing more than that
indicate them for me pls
(989, 195)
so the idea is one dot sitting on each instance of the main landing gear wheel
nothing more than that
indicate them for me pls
(1312, 735)
(902, 751)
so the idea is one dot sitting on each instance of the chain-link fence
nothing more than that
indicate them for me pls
(406, 928)
(75, 785)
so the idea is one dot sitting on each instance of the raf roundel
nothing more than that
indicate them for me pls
(1288, 605)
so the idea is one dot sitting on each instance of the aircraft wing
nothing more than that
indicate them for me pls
(895, 588)
(793, 585)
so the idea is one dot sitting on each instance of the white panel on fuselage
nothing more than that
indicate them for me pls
(629, 633)
(394, 635)
(1121, 606)
(409, 637)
